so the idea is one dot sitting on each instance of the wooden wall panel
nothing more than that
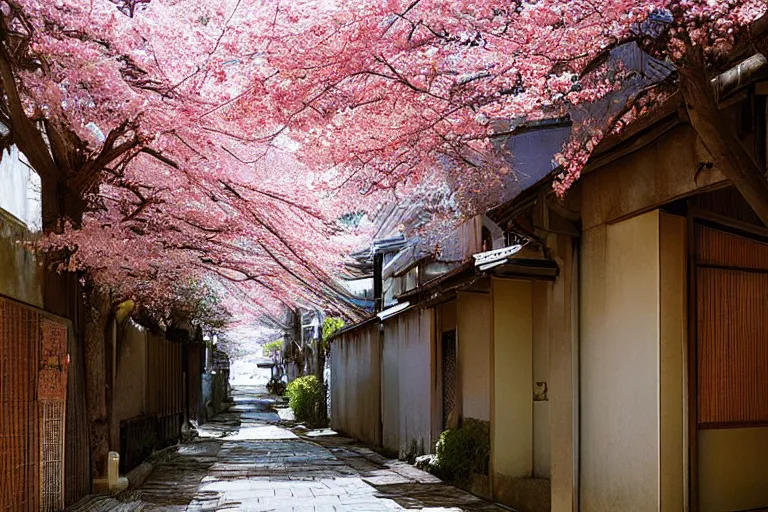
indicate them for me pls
(718, 248)
(732, 329)
(733, 347)
(19, 443)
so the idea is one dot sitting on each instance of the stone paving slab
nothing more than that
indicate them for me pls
(246, 462)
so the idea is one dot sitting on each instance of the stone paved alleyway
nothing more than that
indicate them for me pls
(245, 461)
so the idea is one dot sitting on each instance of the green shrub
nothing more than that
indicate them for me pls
(463, 451)
(270, 348)
(331, 325)
(304, 396)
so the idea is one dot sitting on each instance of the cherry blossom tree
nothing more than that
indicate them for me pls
(399, 91)
(220, 142)
(149, 184)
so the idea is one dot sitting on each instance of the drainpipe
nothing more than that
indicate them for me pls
(576, 368)
(378, 284)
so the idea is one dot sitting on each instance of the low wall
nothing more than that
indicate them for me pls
(356, 384)
(407, 394)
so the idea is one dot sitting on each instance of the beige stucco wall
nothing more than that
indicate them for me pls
(733, 469)
(563, 327)
(512, 413)
(447, 315)
(355, 383)
(619, 366)
(672, 362)
(541, 419)
(21, 277)
(632, 365)
(474, 340)
(131, 376)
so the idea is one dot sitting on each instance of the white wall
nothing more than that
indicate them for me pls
(390, 389)
(20, 193)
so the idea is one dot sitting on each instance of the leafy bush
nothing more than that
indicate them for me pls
(304, 396)
(272, 347)
(463, 451)
(331, 325)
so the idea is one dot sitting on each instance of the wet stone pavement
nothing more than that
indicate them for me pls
(245, 460)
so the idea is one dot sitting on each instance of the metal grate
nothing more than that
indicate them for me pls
(449, 376)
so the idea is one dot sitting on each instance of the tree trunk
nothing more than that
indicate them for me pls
(728, 154)
(96, 381)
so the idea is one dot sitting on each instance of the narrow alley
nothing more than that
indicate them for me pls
(244, 459)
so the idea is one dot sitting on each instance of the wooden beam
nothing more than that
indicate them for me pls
(728, 154)
(637, 142)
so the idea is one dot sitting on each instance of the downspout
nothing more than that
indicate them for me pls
(378, 282)
(576, 368)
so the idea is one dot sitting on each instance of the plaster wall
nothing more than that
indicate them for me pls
(415, 366)
(355, 384)
(619, 366)
(733, 464)
(564, 374)
(512, 414)
(541, 408)
(390, 389)
(474, 344)
(672, 361)
(131, 377)
(633, 334)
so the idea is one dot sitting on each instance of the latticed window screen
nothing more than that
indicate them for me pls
(732, 329)
(449, 376)
(52, 455)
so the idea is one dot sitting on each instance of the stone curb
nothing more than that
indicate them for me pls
(138, 475)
